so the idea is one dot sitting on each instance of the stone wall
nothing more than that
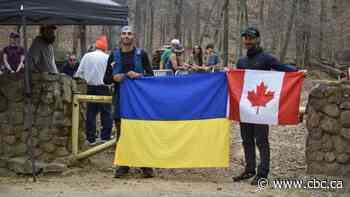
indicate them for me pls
(328, 124)
(52, 115)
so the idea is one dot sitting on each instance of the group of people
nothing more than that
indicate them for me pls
(173, 58)
(40, 55)
(127, 61)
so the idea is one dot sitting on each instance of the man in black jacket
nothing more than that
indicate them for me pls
(256, 134)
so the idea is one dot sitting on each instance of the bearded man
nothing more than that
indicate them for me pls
(41, 54)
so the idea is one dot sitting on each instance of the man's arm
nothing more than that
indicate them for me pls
(146, 64)
(21, 65)
(276, 65)
(7, 65)
(81, 68)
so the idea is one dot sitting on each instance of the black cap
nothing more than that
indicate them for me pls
(14, 35)
(251, 31)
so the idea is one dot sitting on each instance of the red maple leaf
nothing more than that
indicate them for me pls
(261, 97)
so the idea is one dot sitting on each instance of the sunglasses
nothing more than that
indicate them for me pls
(127, 33)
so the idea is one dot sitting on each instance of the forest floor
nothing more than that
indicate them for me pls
(95, 177)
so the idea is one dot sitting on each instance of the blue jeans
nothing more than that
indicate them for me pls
(105, 112)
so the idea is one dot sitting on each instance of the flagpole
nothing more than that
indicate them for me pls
(28, 109)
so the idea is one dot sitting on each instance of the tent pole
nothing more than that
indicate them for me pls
(28, 109)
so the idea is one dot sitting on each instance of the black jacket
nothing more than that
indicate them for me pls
(257, 59)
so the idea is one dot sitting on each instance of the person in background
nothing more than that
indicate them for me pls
(196, 60)
(213, 59)
(13, 54)
(92, 68)
(41, 57)
(176, 60)
(167, 52)
(127, 62)
(71, 66)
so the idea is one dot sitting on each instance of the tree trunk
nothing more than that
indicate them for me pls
(307, 32)
(198, 23)
(288, 32)
(75, 40)
(323, 18)
(82, 36)
(178, 19)
(226, 33)
(137, 20)
(144, 23)
(150, 39)
(243, 23)
(261, 14)
(204, 32)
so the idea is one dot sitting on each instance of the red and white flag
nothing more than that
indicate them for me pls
(264, 97)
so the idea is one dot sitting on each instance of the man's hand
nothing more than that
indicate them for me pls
(133, 75)
(20, 66)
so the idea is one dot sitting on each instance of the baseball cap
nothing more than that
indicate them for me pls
(251, 31)
(178, 48)
(14, 35)
(127, 29)
(175, 42)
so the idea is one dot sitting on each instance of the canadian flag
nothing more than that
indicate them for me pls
(264, 97)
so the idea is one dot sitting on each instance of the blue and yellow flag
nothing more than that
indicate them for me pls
(174, 122)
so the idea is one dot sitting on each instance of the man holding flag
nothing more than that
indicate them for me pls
(256, 134)
(128, 62)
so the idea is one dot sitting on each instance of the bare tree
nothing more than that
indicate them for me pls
(289, 31)
(226, 32)
(243, 23)
(82, 36)
(75, 39)
(323, 18)
(198, 23)
(178, 19)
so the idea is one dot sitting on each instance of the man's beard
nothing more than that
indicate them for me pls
(127, 42)
(250, 46)
(49, 39)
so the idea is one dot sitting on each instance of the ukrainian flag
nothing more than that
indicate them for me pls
(174, 122)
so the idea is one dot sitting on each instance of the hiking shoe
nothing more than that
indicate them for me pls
(243, 176)
(147, 172)
(121, 171)
(88, 143)
(259, 180)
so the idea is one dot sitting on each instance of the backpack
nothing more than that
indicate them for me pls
(108, 76)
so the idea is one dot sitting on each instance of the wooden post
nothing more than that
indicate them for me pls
(75, 117)
(94, 150)
(75, 125)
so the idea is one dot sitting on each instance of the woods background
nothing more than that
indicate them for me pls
(302, 32)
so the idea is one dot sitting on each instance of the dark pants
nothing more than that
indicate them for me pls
(256, 134)
(105, 112)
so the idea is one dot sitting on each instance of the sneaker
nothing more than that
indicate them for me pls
(88, 143)
(147, 172)
(257, 179)
(243, 176)
(121, 171)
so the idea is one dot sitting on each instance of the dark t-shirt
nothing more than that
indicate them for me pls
(14, 54)
(127, 60)
(69, 70)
